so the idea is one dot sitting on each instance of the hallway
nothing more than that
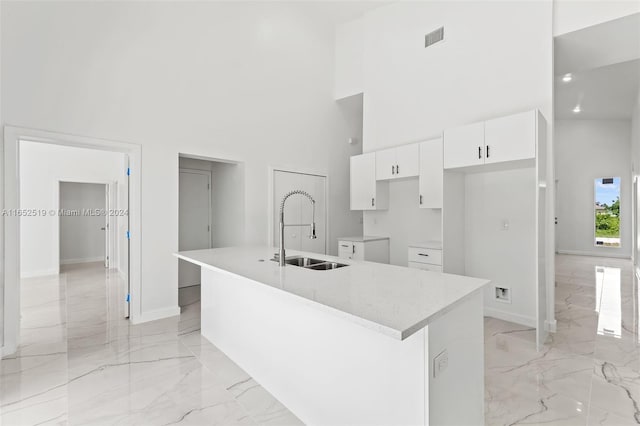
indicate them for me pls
(589, 370)
(82, 363)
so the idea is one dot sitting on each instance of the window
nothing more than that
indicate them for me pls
(607, 212)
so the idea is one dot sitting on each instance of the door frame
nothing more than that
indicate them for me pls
(205, 173)
(110, 235)
(11, 249)
(270, 202)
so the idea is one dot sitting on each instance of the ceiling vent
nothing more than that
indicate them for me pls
(433, 37)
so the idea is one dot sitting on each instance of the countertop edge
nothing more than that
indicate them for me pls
(396, 334)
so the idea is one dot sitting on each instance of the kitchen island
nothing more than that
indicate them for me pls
(364, 344)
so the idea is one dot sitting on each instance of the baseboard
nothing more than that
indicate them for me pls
(83, 260)
(41, 273)
(511, 317)
(551, 326)
(158, 314)
(593, 254)
(7, 350)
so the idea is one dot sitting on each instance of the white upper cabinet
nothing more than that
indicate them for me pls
(386, 164)
(399, 162)
(464, 146)
(500, 140)
(366, 193)
(408, 163)
(431, 174)
(510, 138)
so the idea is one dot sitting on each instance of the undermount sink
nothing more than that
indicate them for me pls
(326, 266)
(310, 263)
(303, 261)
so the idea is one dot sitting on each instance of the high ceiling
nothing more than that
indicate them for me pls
(604, 63)
(608, 92)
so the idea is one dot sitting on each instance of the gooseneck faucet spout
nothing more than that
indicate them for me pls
(312, 225)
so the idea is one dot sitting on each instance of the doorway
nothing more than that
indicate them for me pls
(594, 100)
(299, 211)
(210, 214)
(84, 228)
(35, 163)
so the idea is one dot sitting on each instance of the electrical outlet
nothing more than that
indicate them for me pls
(440, 363)
(502, 294)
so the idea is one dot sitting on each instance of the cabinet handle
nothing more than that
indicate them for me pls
(421, 199)
(353, 249)
(393, 172)
(344, 245)
(423, 254)
(487, 151)
(479, 152)
(397, 169)
(373, 202)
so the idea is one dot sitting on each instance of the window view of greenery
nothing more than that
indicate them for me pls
(607, 211)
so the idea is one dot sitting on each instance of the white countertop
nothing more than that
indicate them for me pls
(435, 245)
(362, 238)
(393, 300)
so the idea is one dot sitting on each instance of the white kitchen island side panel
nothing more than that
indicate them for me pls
(326, 370)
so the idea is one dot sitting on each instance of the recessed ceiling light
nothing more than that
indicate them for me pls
(567, 77)
(577, 109)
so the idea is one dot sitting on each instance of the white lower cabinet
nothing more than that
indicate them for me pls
(372, 249)
(425, 266)
(427, 259)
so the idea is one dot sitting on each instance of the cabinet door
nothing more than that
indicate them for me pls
(358, 251)
(425, 267)
(407, 161)
(431, 174)
(345, 249)
(510, 138)
(464, 146)
(386, 164)
(363, 181)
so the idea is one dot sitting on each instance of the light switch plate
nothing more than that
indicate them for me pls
(440, 363)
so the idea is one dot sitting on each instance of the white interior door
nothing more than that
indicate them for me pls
(298, 210)
(194, 220)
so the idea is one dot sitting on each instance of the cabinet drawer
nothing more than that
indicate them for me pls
(425, 266)
(345, 249)
(422, 255)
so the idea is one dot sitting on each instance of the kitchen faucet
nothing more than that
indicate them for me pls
(312, 225)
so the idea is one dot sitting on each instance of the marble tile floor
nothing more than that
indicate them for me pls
(589, 370)
(82, 363)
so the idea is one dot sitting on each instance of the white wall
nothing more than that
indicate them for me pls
(349, 77)
(404, 222)
(81, 237)
(250, 81)
(587, 150)
(496, 59)
(1, 207)
(41, 167)
(572, 15)
(506, 255)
